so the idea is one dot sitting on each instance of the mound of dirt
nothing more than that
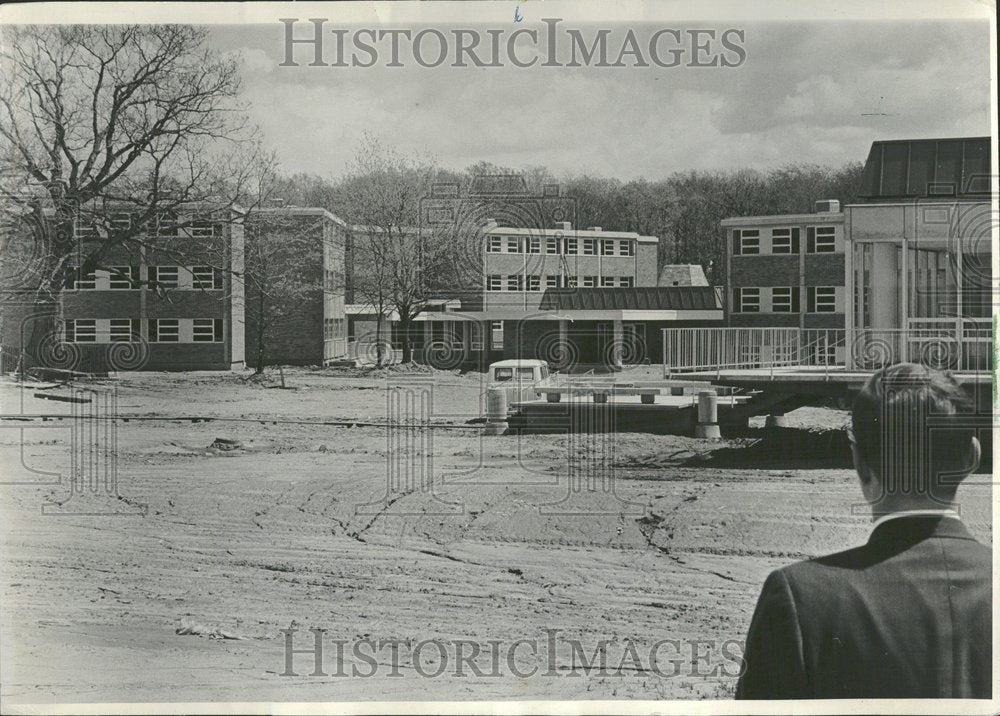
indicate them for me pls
(782, 448)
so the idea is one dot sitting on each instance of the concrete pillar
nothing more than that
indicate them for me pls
(618, 341)
(496, 412)
(776, 421)
(708, 416)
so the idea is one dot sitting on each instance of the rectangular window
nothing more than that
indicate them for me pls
(784, 241)
(822, 299)
(552, 245)
(83, 281)
(120, 223)
(821, 239)
(571, 282)
(201, 230)
(494, 244)
(125, 330)
(534, 283)
(785, 299)
(164, 330)
(494, 282)
(590, 281)
(514, 282)
(590, 247)
(162, 276)
(84, 230)
(746, 241)
(209, 278)
(475, 336)
(626, 281)
(571, 246)
(124, 277)
(746, 300)
(534, 245)
(625, 247)
(552, 281)
(81, 330)
(209, 330)
(166, 225)
(607, 281)
(496, 334)
(513, 245)
(607, 247)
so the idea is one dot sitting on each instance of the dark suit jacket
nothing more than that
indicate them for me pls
(907, 615)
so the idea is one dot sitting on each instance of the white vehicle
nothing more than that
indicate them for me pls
(517, 377)
(524, 372)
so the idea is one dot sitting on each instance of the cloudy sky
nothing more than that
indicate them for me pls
(817, 92)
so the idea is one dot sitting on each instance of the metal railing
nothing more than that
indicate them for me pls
(961, 346)
(966, 348)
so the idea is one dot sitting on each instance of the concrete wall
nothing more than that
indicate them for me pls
(646, 261)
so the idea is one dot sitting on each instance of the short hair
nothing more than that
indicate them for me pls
(913, 425)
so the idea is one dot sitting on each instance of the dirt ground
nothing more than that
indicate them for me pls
(631, 538)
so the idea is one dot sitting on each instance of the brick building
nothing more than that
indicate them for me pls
(904, 272)
(162, 299)
(573, 297)
(301, 255)
(787, 270)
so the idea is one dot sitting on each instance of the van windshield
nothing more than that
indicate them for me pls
(501, 374)
(525, 373)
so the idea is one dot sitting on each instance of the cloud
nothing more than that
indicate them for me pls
(816, 93)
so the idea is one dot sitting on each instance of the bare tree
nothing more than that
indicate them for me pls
(99, 120)
(395, 262)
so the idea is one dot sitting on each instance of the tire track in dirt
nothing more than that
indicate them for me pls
(650, 523)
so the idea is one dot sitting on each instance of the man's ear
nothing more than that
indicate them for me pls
(859, 465)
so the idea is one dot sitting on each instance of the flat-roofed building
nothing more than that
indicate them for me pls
(163, 297)
(301, 314)
(787, 270)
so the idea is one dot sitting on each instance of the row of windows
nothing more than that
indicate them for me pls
(165, 226)
(518, 282)
(129, 330)
(785, 299)
(559, 245)
(334, 328)
(819, 240)
(124, 278)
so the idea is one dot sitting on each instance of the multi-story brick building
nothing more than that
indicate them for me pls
(296, 304)
(787, 270)
(167, 301)
(520, 264)
(568, 296)
(573, 297)
(904, 273)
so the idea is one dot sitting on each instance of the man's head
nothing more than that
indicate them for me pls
(912, 441)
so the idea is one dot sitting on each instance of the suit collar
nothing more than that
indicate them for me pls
(913, 528)
(915, 513)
